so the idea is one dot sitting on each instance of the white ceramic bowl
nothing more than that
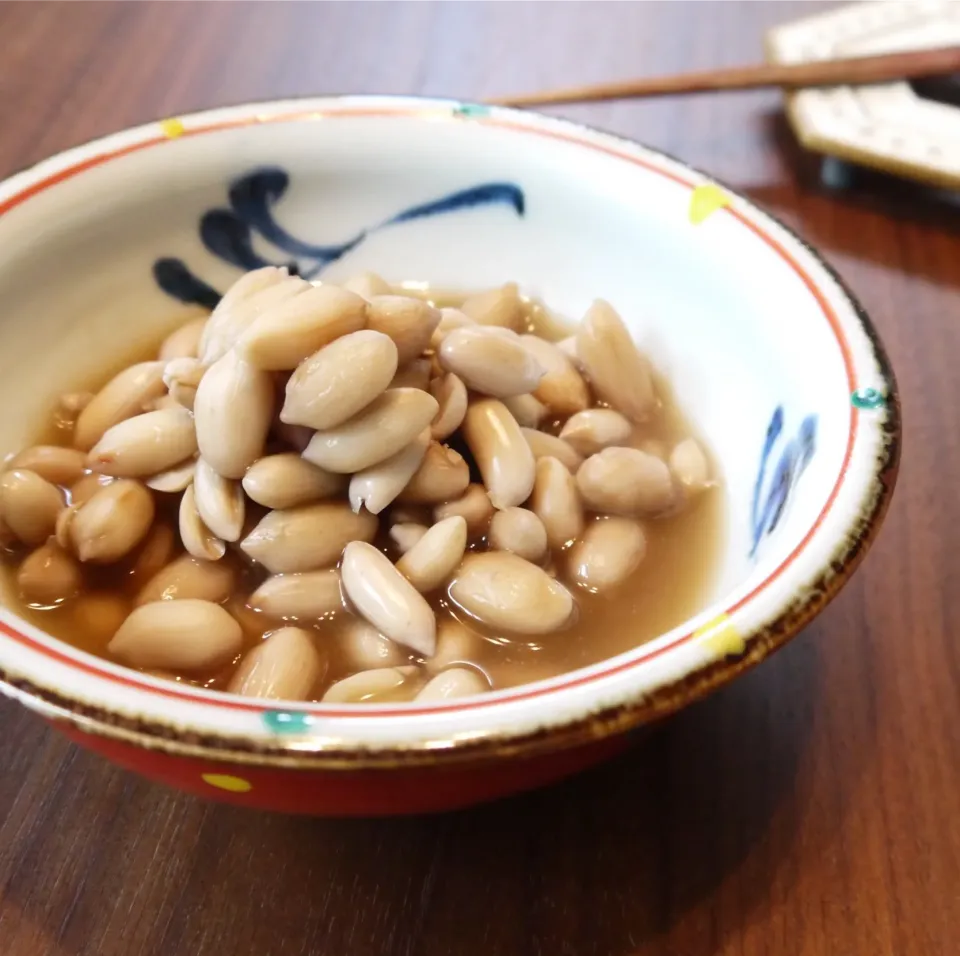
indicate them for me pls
(770, 356)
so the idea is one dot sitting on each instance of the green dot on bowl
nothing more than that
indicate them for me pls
(470, 110)
(287, 721)
(868, 398)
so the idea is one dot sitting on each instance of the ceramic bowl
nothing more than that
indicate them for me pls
(769, 354)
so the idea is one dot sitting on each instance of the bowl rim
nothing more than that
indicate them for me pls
(720, 663)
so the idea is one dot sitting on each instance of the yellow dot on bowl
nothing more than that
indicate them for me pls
(706, 200)
(720, 636)
(172, 128)
(223, 781)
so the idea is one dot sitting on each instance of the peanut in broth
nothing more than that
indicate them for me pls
(670, 585)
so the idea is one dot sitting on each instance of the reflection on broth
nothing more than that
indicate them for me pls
(366, 493)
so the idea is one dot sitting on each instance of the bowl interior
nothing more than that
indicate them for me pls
(430, 194)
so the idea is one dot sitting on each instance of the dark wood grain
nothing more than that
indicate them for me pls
(810, 809)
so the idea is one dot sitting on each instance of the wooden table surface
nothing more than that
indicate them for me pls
(812, 807)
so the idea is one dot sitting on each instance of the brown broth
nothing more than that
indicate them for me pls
(671, 584)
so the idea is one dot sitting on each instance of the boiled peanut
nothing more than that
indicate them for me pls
(98, 615)
(556, 502)
(154, 553)
(281, 337)
(474, 507)
(385, 598)
(173, 480)
(520, 531)
(368, 685)
(49, 575)
(382, 429)
(625, 481)
(504, 591)
(367, 285)
(496, 331)
(244, 302)
(562, 389)
(493, 364)
(406, 535)
(220, 502)
(29, 505)
(549, 446)
(378, 486)
(72, 404)
(112, 523)
(451, 394)
(252, 622)
(436, 555)
(500, 451)
(87, 486)
(501, 306)
(168, 401)
(569, 348)
(187, 578)
(415, 374)
(306, 538)
(183, 395)
(145, 445)
(340, 380)
(690, 466)
(443, 475)
(409, 322)
(59, 466)
(450, 319)
(197, 538)
(456, 644)
(453, 318)
(61, 529)
(187, 635)
(609, 551)
(181, 376)
(366, 648)
(287, 480)
(248, 285)
(183, 342)
(8, 540)
(308, 596)
(526, 410)
(654, 446)
(233, 411)
(593, 430)
(285, 666)
(453, 683)
(618, 371)
(125, 395)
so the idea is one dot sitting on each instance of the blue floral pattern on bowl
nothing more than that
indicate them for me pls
(770, 497)
(228, 233)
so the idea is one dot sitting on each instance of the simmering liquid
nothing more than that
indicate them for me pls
(671, 584)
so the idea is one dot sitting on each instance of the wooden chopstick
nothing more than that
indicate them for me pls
(881, 68)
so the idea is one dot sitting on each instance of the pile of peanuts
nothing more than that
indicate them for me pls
(316, 430)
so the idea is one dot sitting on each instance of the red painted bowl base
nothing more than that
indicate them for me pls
(345, 792)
